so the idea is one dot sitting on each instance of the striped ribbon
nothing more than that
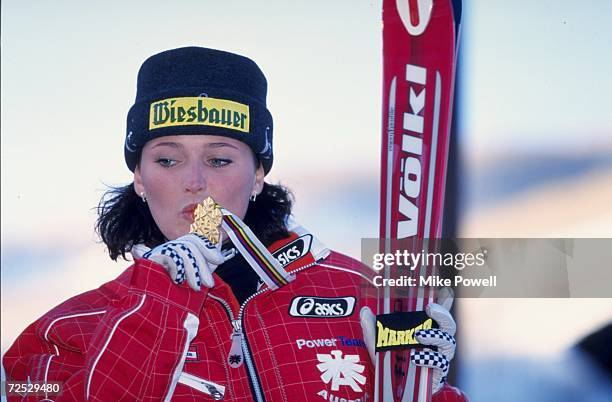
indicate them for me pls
(257, 255)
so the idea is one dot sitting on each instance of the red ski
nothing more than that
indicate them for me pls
(419, 53)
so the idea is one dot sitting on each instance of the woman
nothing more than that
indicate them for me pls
(167, 327)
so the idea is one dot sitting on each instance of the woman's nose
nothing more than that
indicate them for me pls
(195, 181)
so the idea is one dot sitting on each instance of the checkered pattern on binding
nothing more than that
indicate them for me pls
(436, 334)
(170, 250)
(194, 264)
(429, 358)
(209, 245)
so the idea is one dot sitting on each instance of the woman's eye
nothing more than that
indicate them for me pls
(219, 162)
(166, 162)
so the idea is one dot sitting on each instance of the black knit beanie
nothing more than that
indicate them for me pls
(194, 90)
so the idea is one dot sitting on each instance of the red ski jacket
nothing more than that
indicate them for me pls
(141, 337)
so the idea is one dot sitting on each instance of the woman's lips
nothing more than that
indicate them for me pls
(188, 211)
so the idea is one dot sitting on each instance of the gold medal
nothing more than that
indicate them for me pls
(207, 220)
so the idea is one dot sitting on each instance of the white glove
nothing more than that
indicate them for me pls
(442, 337)
(191, 257)
(368, 326)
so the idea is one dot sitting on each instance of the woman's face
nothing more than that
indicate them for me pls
(177, 172)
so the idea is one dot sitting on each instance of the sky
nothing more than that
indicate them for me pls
(68, 79)
(537, 73)
(534, 79)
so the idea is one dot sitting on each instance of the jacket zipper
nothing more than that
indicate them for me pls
(216, 391)
(240, 346)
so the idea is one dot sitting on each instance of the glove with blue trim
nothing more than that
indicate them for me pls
(192, 258)
(443, 338)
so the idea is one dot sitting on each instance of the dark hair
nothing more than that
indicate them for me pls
(125, 220)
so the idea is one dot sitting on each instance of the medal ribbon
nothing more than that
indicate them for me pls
(254, 252)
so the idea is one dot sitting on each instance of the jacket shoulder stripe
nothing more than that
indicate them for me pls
(93, 367)
(70, 316)
(47, 372)
(191, 325)
(350, 271)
